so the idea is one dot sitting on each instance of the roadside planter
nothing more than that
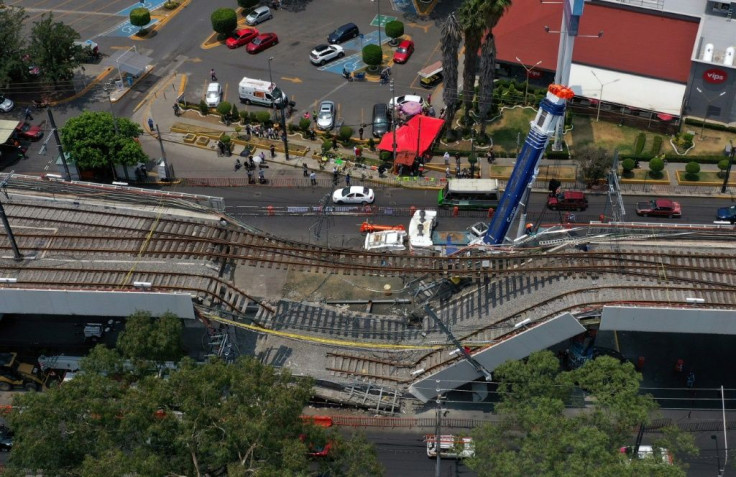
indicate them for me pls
(190, 138)
(203, 141)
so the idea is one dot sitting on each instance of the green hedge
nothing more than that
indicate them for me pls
(715, 126)
(639, 143)
(672, 157)
(656, 145)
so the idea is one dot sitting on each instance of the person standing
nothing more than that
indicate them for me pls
(429, 99)
(273, 151)
(360, 132)
(447, 172)
(313, 178)
(305, 171)
(212, 74)
(446, 157)
(347, 179)
(334, 143)
(29, 117)
(150, 124)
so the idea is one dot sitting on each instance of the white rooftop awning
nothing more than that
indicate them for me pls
(628, 90)
(129, 61)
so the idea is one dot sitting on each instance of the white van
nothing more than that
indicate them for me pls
(253, 91)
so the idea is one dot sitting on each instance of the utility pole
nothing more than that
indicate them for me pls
(4, 218)
(730, 151)
(393, 117)
(284, 100)
(58, 144)
(169, 176)
(438, 429)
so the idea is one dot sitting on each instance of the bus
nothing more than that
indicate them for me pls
(470, 194)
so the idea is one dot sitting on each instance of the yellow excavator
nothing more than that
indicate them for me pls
(17, 374)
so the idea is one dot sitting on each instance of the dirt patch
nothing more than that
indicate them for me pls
(320, 286)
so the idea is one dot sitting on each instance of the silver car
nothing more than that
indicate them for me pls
(326, 115)
(214, 95)
(5, 104)
(259, 15)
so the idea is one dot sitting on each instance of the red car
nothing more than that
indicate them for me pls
(241, 37)
(262, 41)
(26, 130)
(404, 51)
(659, 208)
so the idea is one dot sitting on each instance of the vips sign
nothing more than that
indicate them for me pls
(715, 76)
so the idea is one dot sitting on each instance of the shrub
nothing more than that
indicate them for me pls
(451, 135)
(372, 55)
(254, 116)
(639, 143)
(234, 114)
(394, 29)
(722, 167)
(223, 109)
(482, 139)
(203, 108)
(263, 117)
(628, 165)
(245, 117)
(171, 5)
(656, 145)
(656, 166)
(371, 144)
(326, 145)
(224, 20)
(140, 17)
(692, 169)
(346, 132)
(292, 127)
(304, 124)
(386, 156)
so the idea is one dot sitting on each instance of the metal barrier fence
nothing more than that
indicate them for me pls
(405, 422)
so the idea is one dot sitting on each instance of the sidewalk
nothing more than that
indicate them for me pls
(193, 162)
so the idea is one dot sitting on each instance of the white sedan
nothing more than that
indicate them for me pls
(353, 195)
(324, 53)
(214, 95)
(399, 100)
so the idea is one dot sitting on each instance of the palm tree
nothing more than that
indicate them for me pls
(485, 82)
(473, 22)
(451, 36)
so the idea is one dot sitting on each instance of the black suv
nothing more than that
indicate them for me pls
(380, 119)
(346, 32)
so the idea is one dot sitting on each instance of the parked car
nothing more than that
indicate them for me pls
(431, 81)
(258, 15)
(261, 42)
(344, 33)
(568, 200)
(408, 98)
(214, 95)
(326, 115)
(241, 37)
(658, 454)
(659, 208)
(404, 51)
(324, 53)
(6, 105)
(6, 439)
(727, 214)
(380, 119)
(353, 195)
(29, 131)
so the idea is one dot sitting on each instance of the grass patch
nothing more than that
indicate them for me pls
(607, 135)
(705, 178)
(507, 128)
(644, 175)
(546, 172)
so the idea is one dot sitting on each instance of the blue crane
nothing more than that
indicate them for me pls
(551, 110)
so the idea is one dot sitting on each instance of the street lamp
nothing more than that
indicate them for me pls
(378, 7)
(708, 100)
(718, 453)
(730, 152)
(270, 78)
(600, 98)
(528, 70)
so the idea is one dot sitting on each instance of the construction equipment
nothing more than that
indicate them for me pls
(14, 373)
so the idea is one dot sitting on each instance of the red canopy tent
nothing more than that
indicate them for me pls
(412, 139)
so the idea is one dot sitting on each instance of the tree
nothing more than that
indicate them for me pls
(394, 29)
(472, 160)
(723, 167)
(486, 80)
(450, 40)
(92, 141)
(12, 44)
(224, 21)
(52, 49)
(212, 418)
(536, 436)
(140, 17)
(155, 339)
(656, 166)
(692, 170)
(594, 163)
(372, 55)
(473, 24)
(247, 5)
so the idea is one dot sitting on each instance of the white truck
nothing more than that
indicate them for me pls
(265, 93)
(451, 447)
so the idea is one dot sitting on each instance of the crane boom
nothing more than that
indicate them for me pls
(551, 109)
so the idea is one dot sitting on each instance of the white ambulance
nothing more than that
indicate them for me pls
(265, 93)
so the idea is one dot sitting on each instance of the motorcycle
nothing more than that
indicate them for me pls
(40, 104)
(347, 75)
(238, 165)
